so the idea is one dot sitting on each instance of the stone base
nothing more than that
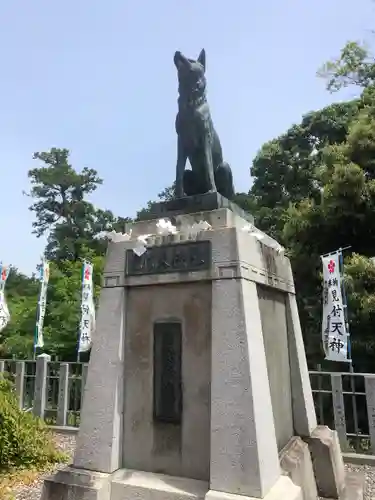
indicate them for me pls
(284, 489)
(71, 483)
(193, 204)
(295, 462)
(296, 483)
(130, 484)
(126, 484)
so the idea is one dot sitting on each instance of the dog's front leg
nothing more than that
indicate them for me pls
(180, 169)
(209, 167)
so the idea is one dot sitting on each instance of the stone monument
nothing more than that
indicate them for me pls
(198, 387)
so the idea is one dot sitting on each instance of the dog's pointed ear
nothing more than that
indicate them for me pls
(202, 58)
(179, 59)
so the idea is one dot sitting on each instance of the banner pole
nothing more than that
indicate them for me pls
(36, 332)
(333, 253)
(80, 321)
(345, 304)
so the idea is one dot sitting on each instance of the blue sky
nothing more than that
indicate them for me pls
(97, 77)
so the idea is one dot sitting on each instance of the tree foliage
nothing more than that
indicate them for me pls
(354, 66)
(62, 210)
(63, 213)
(342, 215)
(61, 323)
(166, 195)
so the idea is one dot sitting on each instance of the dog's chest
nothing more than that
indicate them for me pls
(192, 125)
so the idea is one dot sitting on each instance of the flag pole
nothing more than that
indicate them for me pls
(333, 253)
(38, 310)
(345, 302)
(79, 329)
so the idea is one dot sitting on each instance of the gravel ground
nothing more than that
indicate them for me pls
(67, 443)
(369, 472)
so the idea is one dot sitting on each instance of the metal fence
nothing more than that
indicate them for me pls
(346, 402)
(54, 391)
(51, 390)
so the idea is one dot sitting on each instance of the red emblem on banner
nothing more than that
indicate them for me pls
(331, 266)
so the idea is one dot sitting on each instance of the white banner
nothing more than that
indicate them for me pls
(44, 278)
(87, 309)
(334, 334)
(4, 311)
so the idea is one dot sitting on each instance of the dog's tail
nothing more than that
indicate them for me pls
(224, 180)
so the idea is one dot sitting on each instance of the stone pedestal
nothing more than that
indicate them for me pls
(197, 378)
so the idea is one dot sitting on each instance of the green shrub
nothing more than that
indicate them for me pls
(25, 441)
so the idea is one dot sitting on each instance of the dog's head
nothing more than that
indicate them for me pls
(190, 72)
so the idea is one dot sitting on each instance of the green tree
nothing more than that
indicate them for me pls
(21, 294)
(343, 215)
(286, 169)
(360, 287)
(71, 223)
(354, 66)
(64, 304)
(61, 209)
(166, 195)
(63, 311)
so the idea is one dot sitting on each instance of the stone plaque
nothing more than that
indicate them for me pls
(167, 372)
(172, 258)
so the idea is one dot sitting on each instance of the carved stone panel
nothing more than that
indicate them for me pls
(172, 258)
(167, 372)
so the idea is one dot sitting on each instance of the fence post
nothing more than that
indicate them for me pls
(62, 406)
(339, 409)
(370, 402)
(20, 382)
(83, 382)
(2, 366)
(354, 404)
(320, 396)
(40, 392)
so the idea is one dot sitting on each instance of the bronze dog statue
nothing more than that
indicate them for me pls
(197, 137)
